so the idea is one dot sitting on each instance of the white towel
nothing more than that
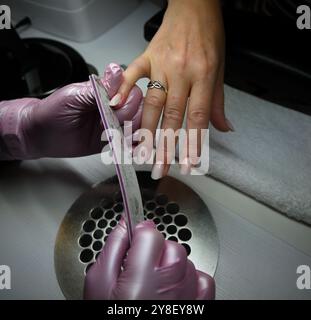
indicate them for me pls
(268, 157)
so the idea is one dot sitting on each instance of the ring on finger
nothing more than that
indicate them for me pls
(155, 84)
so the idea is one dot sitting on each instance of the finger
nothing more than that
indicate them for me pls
(153, 105)
(198, 115)
(172, 120)
(136, 121)
(173, 264)
(206, 286)
(218, 118)
(152, 109)
(130, 127)
(112, 79)
(145, 252)
(104, 273)
(131, 106)
(190, 285)
(173, 253)
(179, 281)
(139, 68)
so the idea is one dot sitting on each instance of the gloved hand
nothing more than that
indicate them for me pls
(65, 124)
(152, 268)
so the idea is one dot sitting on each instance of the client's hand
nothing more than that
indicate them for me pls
(151, 268)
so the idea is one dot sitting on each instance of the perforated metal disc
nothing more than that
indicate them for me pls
(178, 212)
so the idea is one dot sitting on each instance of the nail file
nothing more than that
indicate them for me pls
(133, 207)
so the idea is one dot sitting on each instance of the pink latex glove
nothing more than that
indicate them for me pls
(65, 124)
(151, 269)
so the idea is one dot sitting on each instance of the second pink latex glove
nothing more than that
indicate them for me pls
(66, 123)
(151, 269)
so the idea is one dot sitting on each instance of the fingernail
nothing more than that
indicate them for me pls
(115, 100)
(185, 167)
(157, 171)
(230, 125)
(141, 154)
(147, 223)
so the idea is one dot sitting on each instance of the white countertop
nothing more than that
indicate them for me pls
(259, 253)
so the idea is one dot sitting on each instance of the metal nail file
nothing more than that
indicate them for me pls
(133, 207)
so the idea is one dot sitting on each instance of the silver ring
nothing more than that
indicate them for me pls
(156, 85)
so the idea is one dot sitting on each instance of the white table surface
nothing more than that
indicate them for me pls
(259, 248)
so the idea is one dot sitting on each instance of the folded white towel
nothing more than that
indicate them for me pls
(268, 157)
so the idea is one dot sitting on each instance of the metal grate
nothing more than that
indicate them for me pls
(103, 218)
(179, 214)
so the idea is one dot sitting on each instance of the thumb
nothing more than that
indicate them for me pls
(102, 276)
(112, 79)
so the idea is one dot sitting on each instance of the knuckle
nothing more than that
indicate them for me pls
(179, 61)
(139, 64)
(198, 115)
(213, 59)
(75, 90)
(154, 101)
(173, 112)
(207, 64)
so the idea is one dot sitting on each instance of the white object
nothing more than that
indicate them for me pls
(77, 20)
(268, 157)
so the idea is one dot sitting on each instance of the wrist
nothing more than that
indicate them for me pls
(15, 124)
(199, 7)
(192, 3)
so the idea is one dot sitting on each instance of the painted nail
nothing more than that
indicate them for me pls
(115, 100)
(141, 154)
(230, 125)
(157, 171)
(148, 153)
(185, 167)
